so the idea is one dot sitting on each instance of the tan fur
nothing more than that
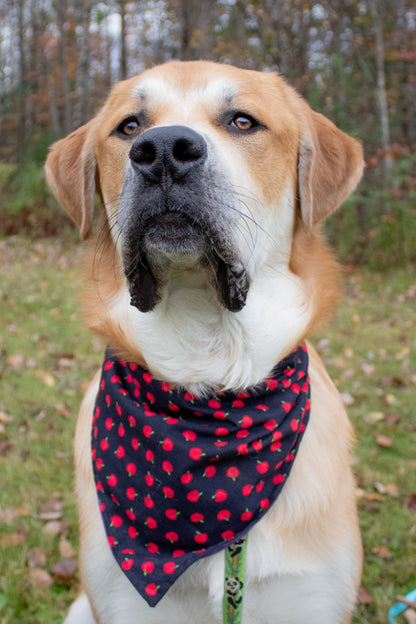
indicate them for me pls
(304, 558)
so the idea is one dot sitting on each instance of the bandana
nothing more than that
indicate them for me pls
(180, 478)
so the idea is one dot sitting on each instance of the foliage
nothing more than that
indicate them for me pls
(46, 360)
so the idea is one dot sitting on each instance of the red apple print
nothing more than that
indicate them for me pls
(123, 391)
(150, 397)
(100, 487)
(147, 431)
(247, 489)
(246, 515)
(169, 567)
(178, 553)
(108, 365)
(132, 421)
(201, 538)
(118, 409)
(130, 515)
(190, 436)
(131, 493)
(109, 423)
(170, 420)
(264, 503)
(302, 427)
(286, 383)
(242, 449)
(296, 388)
(120, 452)
(151, 523)
(121, 431)
(220, 496)
(187, 477)
(221, 415)
(116, 521)
(307, 405)
(108, 400)
(166, 387)
(262, 407)
(271, 384)
(152, 548)
(131, 469)
(102, 507)
(147, 377)
(289, 458)
(277, 435)
(167, 444)
(151, 590)
(224, 514)
(148, 413)
(93, 454)
(112, 480)
(227, 535)
(289, 372)
(270, 425)
(279, 479)
(132, 532)
(99, 463)
(278, 465)
(149, 479)
(262, 467)
(167, 467)
(189, 397)
(238, 403)
(210, 471)
(243, 395)
(102, 386)
(171, 514)
(259, 486)
(287, 407)
(196, 453)
(221, 431)
(242, 433)
(135, 443)
(294, 424)
(104, 444)
(171, 536)
(149, 502)
(257, 445)
(111, 540)
(150, 456)
(193, 496)
(173, 407)
(168, 492)
(220, 443)
(246, 422)
(275, 446)
(197, 517)
(214, 404)
(232, 472)
(148, 567)
(114, 499)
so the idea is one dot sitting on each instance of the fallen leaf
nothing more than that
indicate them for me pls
(40, 578)
(9, 514)
(66, 549)
(36, 558)
(382, 552)
(5, 418)
(392, 419)
(65, 569)
(13, 539)
(374, 417)
(410, 502)
(392, 489)
(347, 399)
(370, 496)
(5, 447)
(54, 527)
(367, 369)
(52, 509)
(364, 596)
(383, 440)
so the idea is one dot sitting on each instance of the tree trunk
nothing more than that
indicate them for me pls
(123, 45)
(81, 112)
(185, 14)
(21, 105)
(60, 7)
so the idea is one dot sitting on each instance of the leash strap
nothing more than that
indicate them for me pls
(235, 562)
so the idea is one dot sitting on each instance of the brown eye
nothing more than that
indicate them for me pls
(243, 122)
(129, 127)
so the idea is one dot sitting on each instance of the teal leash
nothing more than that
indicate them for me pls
(235, 563)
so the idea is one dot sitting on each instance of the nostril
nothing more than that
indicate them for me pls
(143, 153)
(185, 150)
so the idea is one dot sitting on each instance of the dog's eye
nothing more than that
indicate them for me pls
(129, 127)
(243, 122)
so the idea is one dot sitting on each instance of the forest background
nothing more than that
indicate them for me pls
(353, 60)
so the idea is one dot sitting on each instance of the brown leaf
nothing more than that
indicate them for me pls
(13, 539)
(383, 440)
(40, 578)
(370, 496)
(54, 527)
(392, 419)
(9, 514)
(382, 552)
(364, 596)
(410, 502)
(36, 558)
(65, 569)
(51, 510)
(66, 549)
(5, 447)
(392, 489)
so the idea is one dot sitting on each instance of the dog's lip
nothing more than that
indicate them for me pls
(173, 235)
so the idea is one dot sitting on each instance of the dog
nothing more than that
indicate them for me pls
(208, 270)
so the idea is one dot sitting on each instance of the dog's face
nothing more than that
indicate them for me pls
(208, 173)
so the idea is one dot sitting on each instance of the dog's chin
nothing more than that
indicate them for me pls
(172, 241)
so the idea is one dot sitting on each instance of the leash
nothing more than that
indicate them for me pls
(235, 562)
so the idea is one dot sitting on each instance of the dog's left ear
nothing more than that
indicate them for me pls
(70, 171)
(329, 168)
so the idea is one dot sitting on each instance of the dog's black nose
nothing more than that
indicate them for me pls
(168, 151)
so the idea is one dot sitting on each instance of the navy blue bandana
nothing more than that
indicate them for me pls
(179, 478)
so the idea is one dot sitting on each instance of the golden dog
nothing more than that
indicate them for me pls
(209, 270)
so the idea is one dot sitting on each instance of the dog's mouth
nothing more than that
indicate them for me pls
(172, 239)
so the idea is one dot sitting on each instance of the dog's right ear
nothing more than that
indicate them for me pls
(71, 171)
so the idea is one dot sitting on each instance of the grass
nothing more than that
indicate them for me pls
(45, 358)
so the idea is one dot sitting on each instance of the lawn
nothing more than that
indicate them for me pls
(46, 358)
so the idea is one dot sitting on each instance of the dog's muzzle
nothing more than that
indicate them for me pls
(171, 213)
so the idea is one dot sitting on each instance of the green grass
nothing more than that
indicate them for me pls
(45, 358)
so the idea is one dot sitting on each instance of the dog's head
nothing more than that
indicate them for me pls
(203, 166)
